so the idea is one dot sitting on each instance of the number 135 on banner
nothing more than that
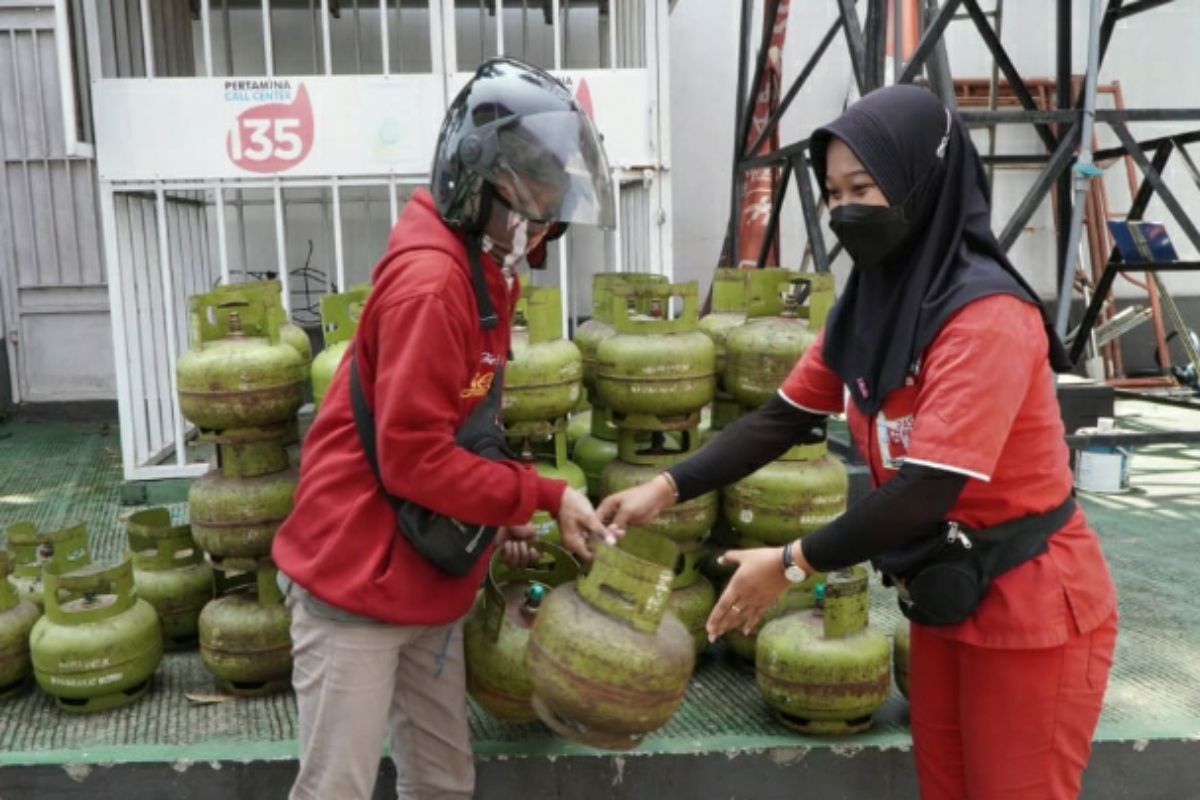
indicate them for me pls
(272, 137)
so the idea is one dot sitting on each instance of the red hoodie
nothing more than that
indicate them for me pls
(425, 362)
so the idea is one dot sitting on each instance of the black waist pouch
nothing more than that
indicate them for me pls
(451, 545)
(941, 579)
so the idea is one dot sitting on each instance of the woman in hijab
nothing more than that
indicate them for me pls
(941, 358)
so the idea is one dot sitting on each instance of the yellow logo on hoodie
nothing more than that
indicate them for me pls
(480, 385)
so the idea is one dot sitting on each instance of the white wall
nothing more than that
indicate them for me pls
(704, 74)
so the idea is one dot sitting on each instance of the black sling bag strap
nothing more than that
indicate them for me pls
(942, 578)
(450, 545)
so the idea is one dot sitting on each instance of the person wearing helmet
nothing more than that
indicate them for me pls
(406, 486)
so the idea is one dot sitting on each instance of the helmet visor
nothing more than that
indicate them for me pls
(551, 167)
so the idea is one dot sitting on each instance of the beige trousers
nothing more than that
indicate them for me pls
(356, 683)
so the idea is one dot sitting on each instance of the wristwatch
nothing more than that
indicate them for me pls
(792, 571)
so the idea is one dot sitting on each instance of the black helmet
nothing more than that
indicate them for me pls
(517, 127)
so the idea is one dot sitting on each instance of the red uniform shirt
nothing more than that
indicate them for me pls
(425, 363)
(982, 402)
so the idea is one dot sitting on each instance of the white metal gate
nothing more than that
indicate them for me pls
(288, 134)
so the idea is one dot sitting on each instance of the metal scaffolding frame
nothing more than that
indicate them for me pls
(1060, 130)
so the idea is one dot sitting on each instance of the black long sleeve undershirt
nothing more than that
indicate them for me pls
(904, 509)
(908, 507)
(751, 441)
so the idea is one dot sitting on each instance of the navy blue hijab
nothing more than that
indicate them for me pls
(888, 314)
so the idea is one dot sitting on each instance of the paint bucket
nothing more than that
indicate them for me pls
(1103, 469)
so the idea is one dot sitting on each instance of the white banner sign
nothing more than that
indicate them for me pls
(206, 128)
(229, 128)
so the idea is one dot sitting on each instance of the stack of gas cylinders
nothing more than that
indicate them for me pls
(600, 652)
(543, 383)
(241, 384)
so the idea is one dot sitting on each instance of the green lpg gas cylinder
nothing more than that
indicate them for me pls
(692, 604)
(250, 452)
(579, 425)
(761, 353)
(17, 616)
(231, 379)
(550, 460)
(607, 662)
(687, 523)
(824, 671)
(787, 498)
(32, 549)
(339, 320)
(170, 574)
(725, 409)
(234, 519)
(496, 632)
(272, 293)
(795, 598)
(655, 368)
(98, 644)
(543, 379)
(245, 638)
(599, 326)
(594, 452)
(728, 312)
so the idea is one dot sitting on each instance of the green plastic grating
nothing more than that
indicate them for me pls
(54, 474)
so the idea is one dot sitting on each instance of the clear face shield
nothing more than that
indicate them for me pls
(551, 167)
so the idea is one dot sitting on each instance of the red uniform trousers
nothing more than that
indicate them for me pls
(990, 723)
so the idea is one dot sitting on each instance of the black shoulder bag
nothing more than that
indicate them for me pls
(941, 579)
(449, 544)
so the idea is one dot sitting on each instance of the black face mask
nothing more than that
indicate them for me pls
(872, 233)
(869, 233)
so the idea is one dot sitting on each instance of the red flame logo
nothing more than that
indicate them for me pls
(272, 137)
(583, 95)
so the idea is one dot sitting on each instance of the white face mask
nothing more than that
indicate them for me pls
(517, 230)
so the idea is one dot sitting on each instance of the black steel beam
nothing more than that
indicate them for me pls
(1188, 162)
(759, 66)
(854, 41)
(775, 157)
(1015, 81)
(1099, 298)
(937, 66)
(1063, 156)
(929, 40)
(1064, 199)
(980, 118)
(1149, 144)
(735, 188)
(1015, 159)
(875, 34)
(1145, 193)
(773, 219)
(797, 84)
(1142, 5)
(1155, 266)
(812, 217)
(1022, 117)
(1107, 26)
